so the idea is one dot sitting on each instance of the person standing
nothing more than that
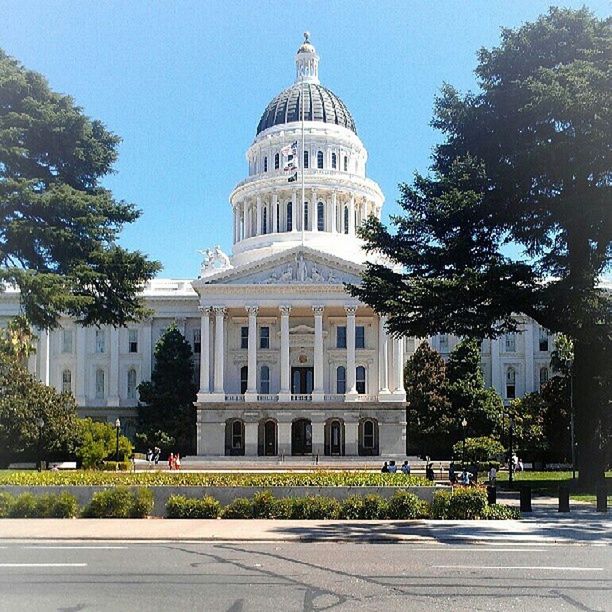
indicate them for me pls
(171, 461)
(452, 475)
(156, 454)
(492, 475)
(177, 462)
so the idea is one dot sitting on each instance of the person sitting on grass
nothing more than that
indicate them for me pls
(385, 468)
(405, 468)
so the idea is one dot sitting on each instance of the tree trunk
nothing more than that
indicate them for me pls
(588, 416)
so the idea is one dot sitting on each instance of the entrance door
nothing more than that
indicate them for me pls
(301, 437)
(302, 380)
(270, 438)
(335, 438)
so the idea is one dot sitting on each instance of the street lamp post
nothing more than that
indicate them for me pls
(40, 423)
(117, 427)
(463, 425)
(510, 462)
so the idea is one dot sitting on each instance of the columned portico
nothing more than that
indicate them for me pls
(351, 386)
(318, 393)
(285, 372)
(204, 351)
(219, 364)
(251, 392)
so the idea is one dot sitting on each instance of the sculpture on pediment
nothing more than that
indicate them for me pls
(213, 260)
(287, 275)
(301, 268)
(315, 275)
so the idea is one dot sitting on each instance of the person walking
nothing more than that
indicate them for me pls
(171, 461)
(429, 472)
(492, 475)
(156, 454)
(452, 474)
(177, 462)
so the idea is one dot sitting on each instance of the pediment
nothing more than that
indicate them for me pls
(298, 266)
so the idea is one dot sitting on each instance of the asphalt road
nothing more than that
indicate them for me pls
(234, 577)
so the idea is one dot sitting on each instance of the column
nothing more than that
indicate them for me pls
(45, 361)
(314, 223)
(219, 356)
(274, 214)
(147, 355)
(80, 358)
(334, 213)
(251, 392)
(245, 220)
(259, 222)
(318, 392)
(250, 439)
(351, 218)
(496, 380)
(399, 391)
(529, 367)
(285, 390)
(350, 350)
(318, 438)
(383, 364)
(295, 212)
(204, 350)
(351, 436)
(113, 379)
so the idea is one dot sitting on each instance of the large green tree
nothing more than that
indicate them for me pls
(525, 161)
(167, 408)
(58, 224)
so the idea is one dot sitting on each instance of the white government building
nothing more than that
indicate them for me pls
(288, 362)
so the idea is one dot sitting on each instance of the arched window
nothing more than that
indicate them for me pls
(66, 381)
(320, 159)
(360, 380)
(264, 380)
(305, 159)
(265, 164)
(346, 220)
(345, 163)
(289, 216)
(244, 378)
(543, 339)
(341, 379)
(277, 161)
(234, 437)
(368, 437)
(368, 434)
(543, 376)
(510, 383)
(264, 223)
(99, 384)
(306, 216)
(334, 160)
(131, 383)
(321, 216)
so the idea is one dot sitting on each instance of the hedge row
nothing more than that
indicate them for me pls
(461, 504)
(221, 479)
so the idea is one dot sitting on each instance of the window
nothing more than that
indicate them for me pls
(305, 216)
(510, 383)
(264, 224)
(341, 336)
(237, 434)
(197, 341)
(543, 376)
(67, 341)
(99, 384)
(100, 341)
(368, 434)
(244, 337)
(244, 378)
(289, 216)
(132, 340)
(334, 161)
(305, 159)
(543, 339)
(346, 220)
(341, 379)
(277, 161)
(264, 337)
(264, 380)
(345, 163)
(359, 337)
(66, 381)
(265, 164)
(320, 159)
(510, 342)
(321, 216)
(443, 343)
(131, 383)
(360, 380)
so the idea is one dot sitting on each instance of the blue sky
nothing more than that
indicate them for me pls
(184, 84)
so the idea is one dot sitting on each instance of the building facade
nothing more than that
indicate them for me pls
(288, 362)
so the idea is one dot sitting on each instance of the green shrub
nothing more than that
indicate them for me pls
(114, 466)
(315, 507)
(440, 505)
(6, 502)
(97, 442)
(62, 505)
(467, 504)
(265, 505)
(24, 506)
(363, 507)
(501, 512)
(181, 507)
(482, 449)
(239, 508)
(405, 505)
(119, 502)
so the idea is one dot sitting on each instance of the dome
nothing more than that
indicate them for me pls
(321, 105)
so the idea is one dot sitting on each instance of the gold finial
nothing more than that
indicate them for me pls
(306, 37)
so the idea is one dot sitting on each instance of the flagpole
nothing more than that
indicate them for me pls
(302, 163)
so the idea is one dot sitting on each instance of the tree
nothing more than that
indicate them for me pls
(58, 225)
(168, 398)
(429, 420)
(97, 442)
(524, 161)
(529, 432)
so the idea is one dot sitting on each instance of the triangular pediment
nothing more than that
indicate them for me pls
(298, 266)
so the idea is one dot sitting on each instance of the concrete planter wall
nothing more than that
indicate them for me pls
(225, 495)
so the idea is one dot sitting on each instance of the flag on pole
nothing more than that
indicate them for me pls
(293, 178)
(290, 149)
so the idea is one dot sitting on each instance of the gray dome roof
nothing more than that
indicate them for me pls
(321, 105)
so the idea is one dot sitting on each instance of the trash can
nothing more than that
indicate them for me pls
(491, 495)
(564, 499)
(525, 497)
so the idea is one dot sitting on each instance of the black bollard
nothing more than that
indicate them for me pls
(564, 502)
(525, 493)
(602, 498)
(491, 495)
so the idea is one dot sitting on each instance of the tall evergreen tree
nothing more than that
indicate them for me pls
(526, 160)
(58, 225)
(167, 400)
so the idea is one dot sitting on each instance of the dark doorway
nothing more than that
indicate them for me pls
(269, 441)
(335, 438)
(301, 437)
(302, 380)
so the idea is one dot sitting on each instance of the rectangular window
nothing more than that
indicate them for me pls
(543, 339)
(341, 336)
(197, 341)
(244, 337)
(359, 337)
(100, 341)
(132, 340)
(67, 341)
(99, 384)
(264, 337)
(443, 343)
(66, 381)
(510, 343)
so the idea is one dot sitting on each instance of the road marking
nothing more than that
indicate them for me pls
(43, 564)
(523, 567)
(75, 547)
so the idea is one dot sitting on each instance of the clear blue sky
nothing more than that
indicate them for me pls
(184, 84)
